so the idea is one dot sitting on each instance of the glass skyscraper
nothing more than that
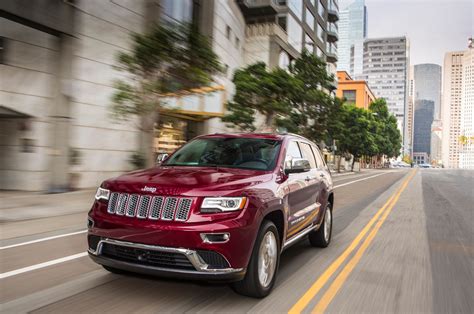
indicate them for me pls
(352, 32)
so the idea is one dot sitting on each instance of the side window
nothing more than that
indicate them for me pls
(308, 154)
(293, 151)
(319, 159)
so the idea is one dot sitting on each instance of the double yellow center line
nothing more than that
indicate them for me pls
(342, 277)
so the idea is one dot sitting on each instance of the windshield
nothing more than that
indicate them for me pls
(245, 153)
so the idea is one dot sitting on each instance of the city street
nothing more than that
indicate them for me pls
(403, 241)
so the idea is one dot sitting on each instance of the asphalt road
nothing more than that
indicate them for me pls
(403, 242)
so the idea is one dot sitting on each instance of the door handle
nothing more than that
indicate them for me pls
(322, 175)
(308, 178)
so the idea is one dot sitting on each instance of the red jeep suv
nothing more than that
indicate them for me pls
(222, 207)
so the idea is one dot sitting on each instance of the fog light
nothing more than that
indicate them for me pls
(215, 237)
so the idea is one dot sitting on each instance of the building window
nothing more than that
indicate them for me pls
(282, 22)
(320, 32)
(309, 43)
(295, 33)
(309, 19)
(227, 32)
(321, 9)
(349, 95)
(178, 10)
(319, 52)
(296, 6)
(283, 60)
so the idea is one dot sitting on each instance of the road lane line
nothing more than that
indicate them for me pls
(323, 279)
(363, 179)
(42, 265)
(346, 271)
(43, 239)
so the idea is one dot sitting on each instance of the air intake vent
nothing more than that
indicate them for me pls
(150, 207)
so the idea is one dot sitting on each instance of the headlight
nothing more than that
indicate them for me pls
(222, 204)
(102, 194)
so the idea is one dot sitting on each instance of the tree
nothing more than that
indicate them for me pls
(170, 59)
(258, 89)
(355, 136)
(294, 99)
(388, 137)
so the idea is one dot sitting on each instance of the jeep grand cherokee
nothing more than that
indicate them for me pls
(222, 207)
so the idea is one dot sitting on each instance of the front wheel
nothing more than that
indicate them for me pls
(263, 265)
(322, 236)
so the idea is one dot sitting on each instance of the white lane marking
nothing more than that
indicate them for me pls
(366, 178)
(42, 265)
(43, 239)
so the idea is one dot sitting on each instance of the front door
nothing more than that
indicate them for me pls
(303, 190)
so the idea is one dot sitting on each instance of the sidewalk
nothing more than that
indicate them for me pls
(18, 206)
(334, 173)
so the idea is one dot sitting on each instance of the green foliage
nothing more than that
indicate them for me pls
(388, 136)
(170, 58)
(138, 160)
(259, 90)
(355, 136)
(361, 132)
(293, 99)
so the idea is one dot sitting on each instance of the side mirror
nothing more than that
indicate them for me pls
(160, 158)
(297, 165)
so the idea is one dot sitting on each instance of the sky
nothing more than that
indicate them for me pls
(433, 27)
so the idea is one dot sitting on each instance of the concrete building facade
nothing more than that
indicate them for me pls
(409, 112)
(57, 77)
(385, 68)
(57, 73)
(451, 111)
(352, 32)
(278, 31)
(466, 153)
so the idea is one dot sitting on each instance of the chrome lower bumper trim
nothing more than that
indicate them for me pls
(193, 257)
(298, 236)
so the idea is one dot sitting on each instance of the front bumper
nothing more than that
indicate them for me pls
(200, 269)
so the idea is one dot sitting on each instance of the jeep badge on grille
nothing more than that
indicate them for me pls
(148, 189)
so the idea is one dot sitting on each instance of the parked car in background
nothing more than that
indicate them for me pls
(222, 207)
(425, 166)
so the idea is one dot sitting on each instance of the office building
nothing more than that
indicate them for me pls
(466, 153)
(354, 91)
(451, 111)
(427, 86)
(436, 143)
(57, 76)
(385, 68)
(409, 112)
(57, 73)
(352, 32)
(422, 131)
(278, 31)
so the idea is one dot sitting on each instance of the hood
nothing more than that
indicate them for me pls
(189, 181)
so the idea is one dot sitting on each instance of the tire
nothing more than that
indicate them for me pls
(114, 270)
(319, 238)
(252, 285)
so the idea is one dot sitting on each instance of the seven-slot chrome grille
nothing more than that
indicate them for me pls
(167, 208)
